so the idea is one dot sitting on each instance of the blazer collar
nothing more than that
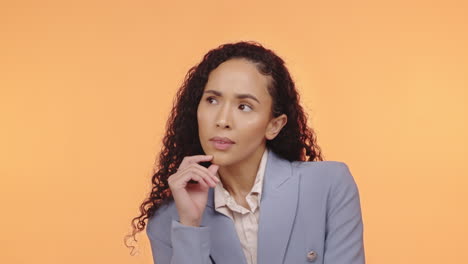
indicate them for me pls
(278, 208)
(277, 214)
(277, 171)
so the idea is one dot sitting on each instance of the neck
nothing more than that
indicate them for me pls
(238, 179)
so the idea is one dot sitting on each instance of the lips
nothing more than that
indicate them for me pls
(222, 140)
(222, 143)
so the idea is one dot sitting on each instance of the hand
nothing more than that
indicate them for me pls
(191, 198)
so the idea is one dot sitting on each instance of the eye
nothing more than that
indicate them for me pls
(210, 99)
(245, 108)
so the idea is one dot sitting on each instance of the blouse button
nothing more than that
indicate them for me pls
(311, 256)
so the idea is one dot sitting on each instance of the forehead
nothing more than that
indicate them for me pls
(238, 76)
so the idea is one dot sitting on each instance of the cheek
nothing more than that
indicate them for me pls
(200, 114)
(203, 119)
(254, 126)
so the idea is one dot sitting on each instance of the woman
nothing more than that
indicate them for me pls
(241, 178)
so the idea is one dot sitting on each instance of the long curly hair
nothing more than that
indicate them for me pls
(295, 142)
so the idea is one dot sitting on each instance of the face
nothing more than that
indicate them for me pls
(234, 113)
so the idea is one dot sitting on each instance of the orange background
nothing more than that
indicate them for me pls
(86, 88)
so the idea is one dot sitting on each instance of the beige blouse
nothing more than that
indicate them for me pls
(245, 220)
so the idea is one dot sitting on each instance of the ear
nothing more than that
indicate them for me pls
(275, 125)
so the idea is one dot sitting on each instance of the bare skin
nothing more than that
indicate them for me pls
(191, 198)
(235, 104)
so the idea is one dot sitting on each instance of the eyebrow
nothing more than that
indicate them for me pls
(239, 96)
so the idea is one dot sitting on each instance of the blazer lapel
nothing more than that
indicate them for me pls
(277, 213)
(277, 210)
(225, 244)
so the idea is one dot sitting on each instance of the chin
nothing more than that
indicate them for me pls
(221, 159)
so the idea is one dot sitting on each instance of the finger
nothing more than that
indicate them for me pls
(200, 181)
(181, 196)
(213, 169)
(195, 159)
(207, 178)
(190, 174)
(204, 181)
(203, 170)
(181, 180)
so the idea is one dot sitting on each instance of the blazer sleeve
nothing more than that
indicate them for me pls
(187, 245)
(344, 228)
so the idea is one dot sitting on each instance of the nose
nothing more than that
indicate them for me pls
(223, 119)
(222, 124)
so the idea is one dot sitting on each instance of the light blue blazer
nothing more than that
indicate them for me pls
(309, 213)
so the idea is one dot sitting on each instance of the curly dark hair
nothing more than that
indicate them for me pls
(295, 142)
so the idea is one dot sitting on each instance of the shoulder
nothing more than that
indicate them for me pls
(330, 179)
(326, 172)
(329, 184)
(159, 225)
